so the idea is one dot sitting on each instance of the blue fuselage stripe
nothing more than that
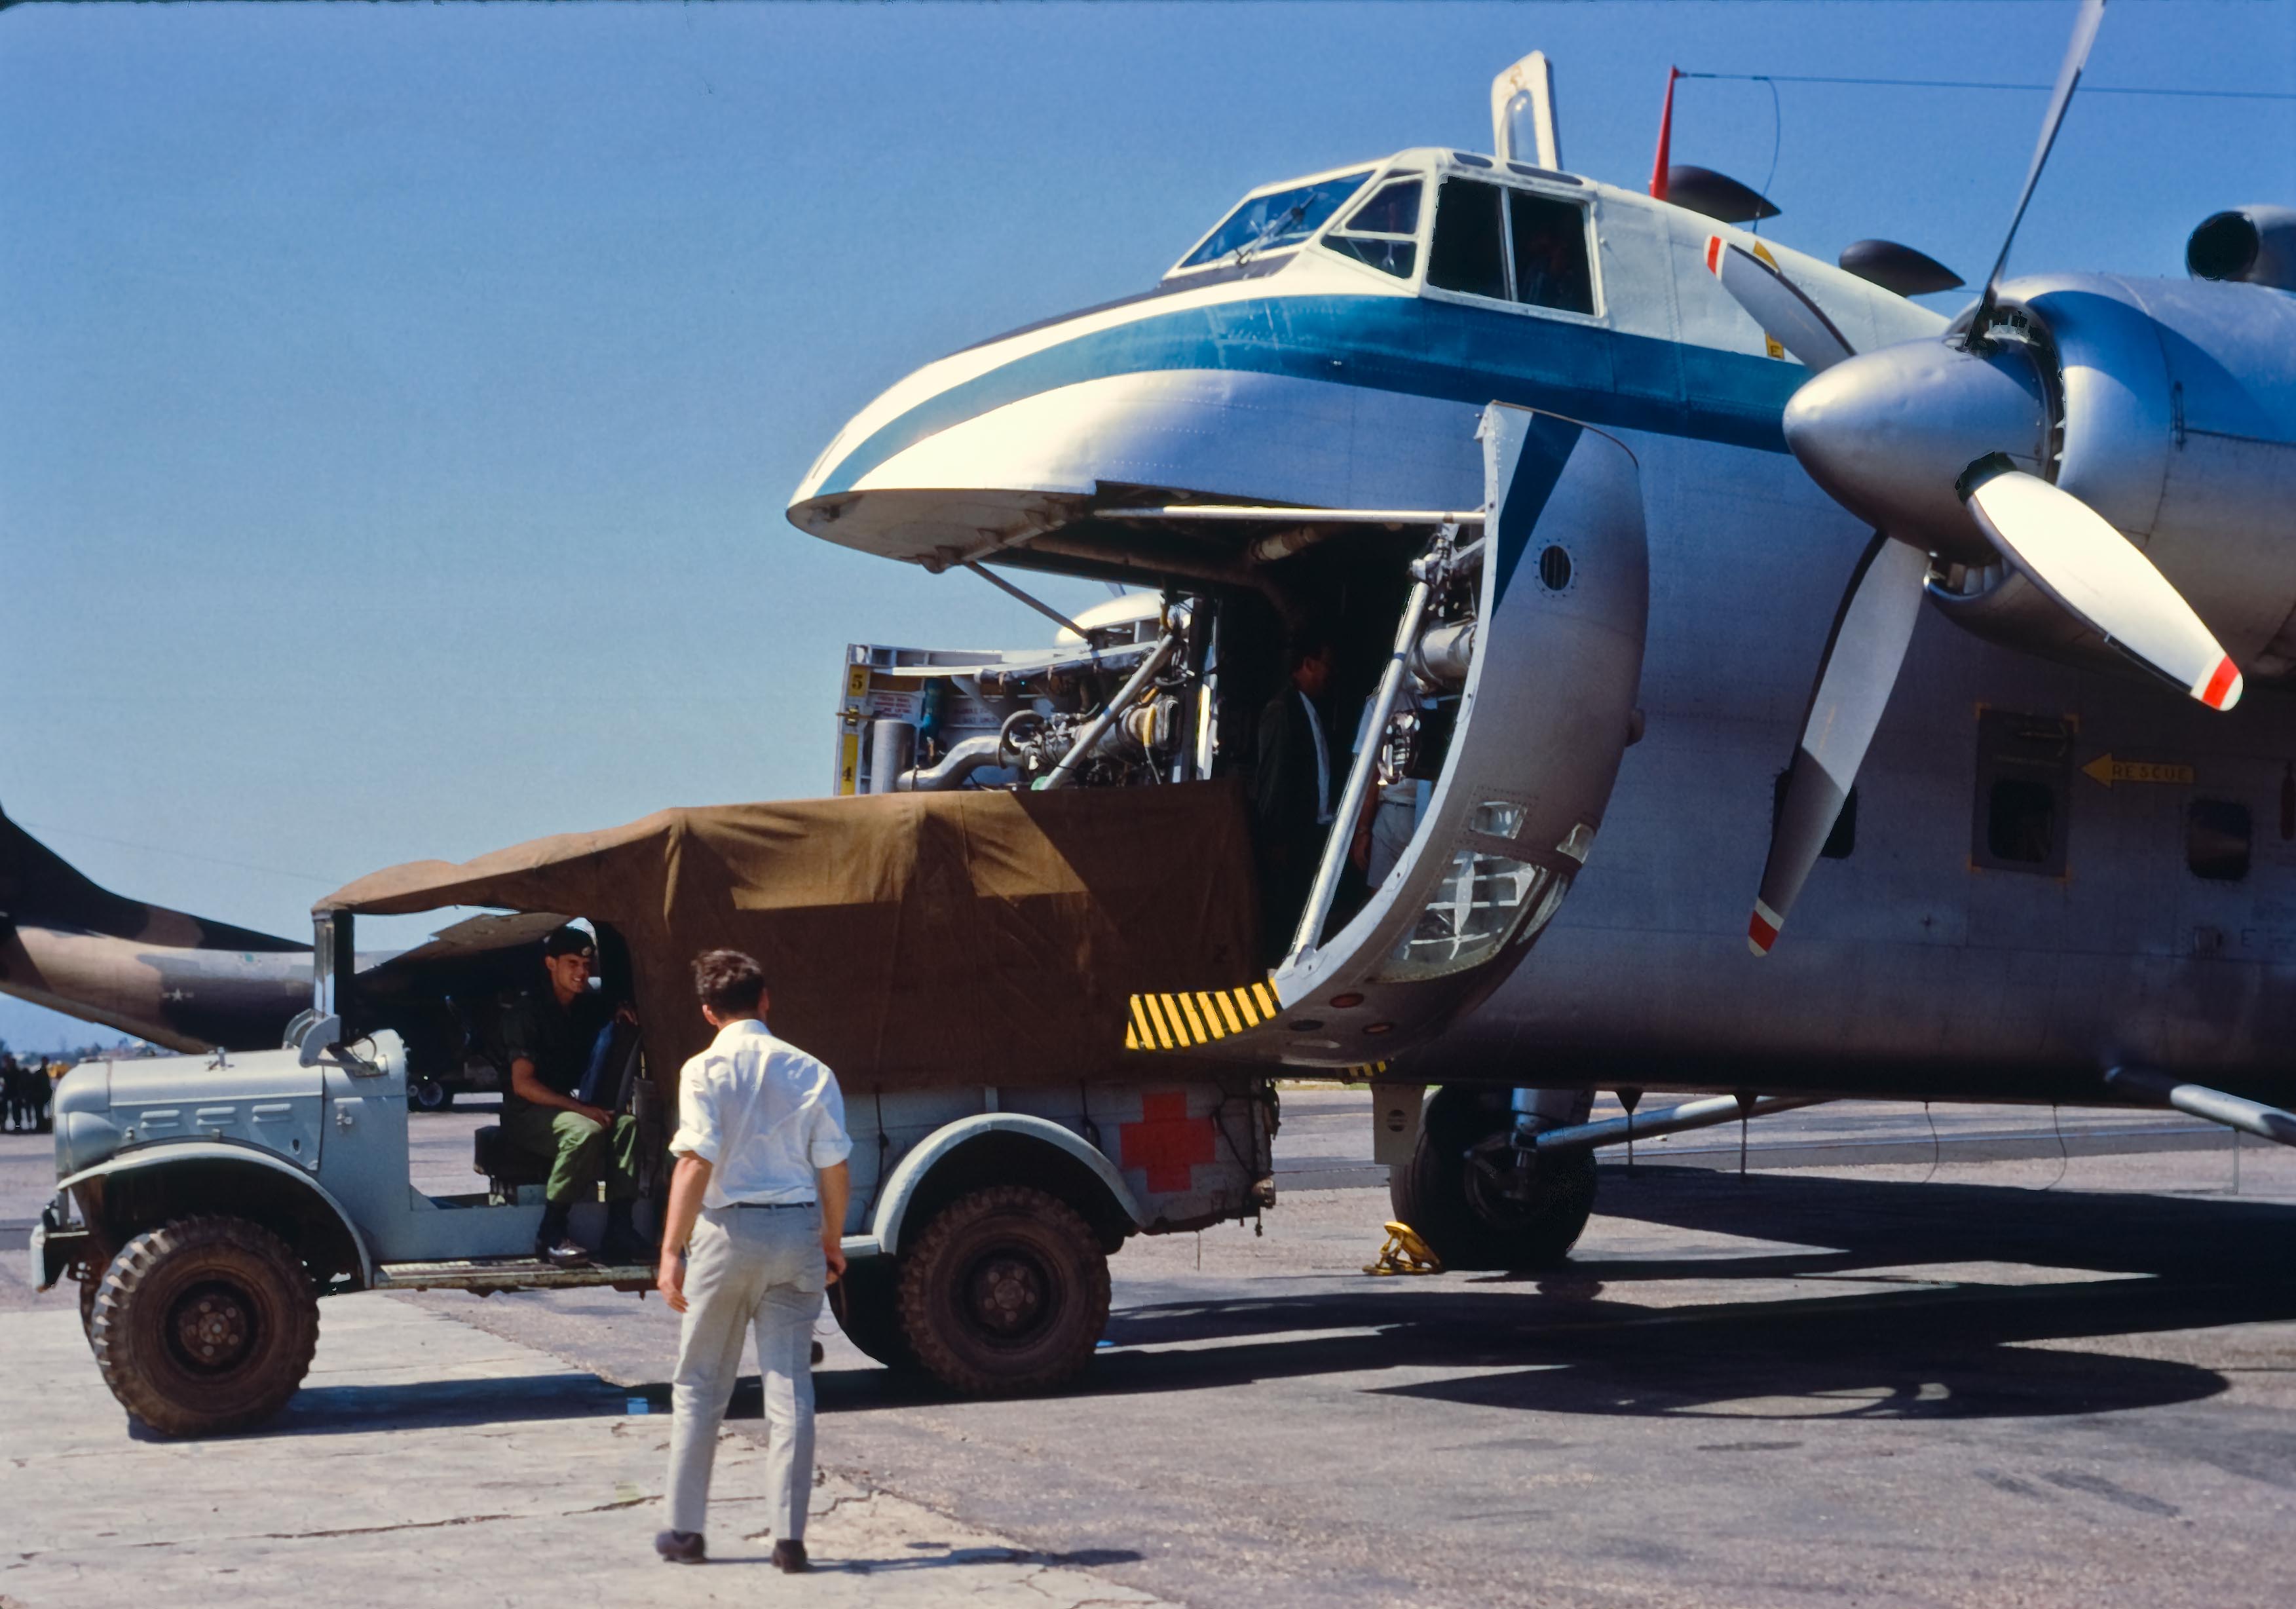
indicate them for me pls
(1546, 449)
(1388, 343)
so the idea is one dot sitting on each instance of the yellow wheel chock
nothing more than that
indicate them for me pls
(1404, 1253)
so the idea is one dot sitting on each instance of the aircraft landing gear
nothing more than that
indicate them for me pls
(1479, 1200)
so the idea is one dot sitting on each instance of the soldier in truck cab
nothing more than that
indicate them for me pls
(547, 1038)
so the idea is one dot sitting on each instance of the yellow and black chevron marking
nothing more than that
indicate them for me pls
(1187, 1021)
(1184, 1022)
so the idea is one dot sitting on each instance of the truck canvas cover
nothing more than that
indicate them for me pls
(908, 939)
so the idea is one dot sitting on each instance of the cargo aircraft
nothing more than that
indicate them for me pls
(1585, 483)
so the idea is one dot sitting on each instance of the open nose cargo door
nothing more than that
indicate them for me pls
(1547, 611)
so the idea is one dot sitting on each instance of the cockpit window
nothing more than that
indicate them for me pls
(1383, 231)
(1393, 210)
(1469, 254)
(1550, 252)
(1282, 217)
(1511, 245)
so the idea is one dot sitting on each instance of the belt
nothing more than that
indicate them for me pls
(769, 1206)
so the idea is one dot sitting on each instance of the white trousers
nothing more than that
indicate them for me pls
(747, 1268)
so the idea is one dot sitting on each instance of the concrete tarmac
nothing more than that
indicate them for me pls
(2011, 1373)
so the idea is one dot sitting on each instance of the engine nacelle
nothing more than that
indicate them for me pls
(2175, 419)
(2254, 244)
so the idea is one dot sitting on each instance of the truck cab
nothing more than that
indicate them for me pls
(205, 1204)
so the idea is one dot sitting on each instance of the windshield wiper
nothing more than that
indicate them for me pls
(1268, 231)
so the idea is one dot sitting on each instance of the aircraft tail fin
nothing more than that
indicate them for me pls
(40, 888)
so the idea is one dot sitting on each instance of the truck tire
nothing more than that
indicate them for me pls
(88, 1283)
(204, 1325)
(1465, 1222)
(867, 1301)
(1005, 1291)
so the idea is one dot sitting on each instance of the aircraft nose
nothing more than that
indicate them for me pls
(1887, 434)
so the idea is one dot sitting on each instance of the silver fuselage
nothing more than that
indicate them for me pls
(1923, 963)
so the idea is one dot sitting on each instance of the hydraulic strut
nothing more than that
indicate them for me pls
(1671, 1120)
(2250, 1117)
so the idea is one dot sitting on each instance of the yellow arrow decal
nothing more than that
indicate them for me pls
(2108, 770)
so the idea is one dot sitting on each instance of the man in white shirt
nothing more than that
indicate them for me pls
(751, 1238)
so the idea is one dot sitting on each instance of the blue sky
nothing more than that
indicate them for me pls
(397, 403)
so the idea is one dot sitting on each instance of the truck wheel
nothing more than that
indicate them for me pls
(1471, 1213)
(429, 1095)
(1005, 1291)
(204, 1325)
(867, 1301)
(88, 1283)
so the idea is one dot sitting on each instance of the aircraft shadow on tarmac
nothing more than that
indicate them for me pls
(2161, 1263)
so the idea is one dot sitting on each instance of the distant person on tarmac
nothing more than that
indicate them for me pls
(751, 1238)
(11, 1089)
(548, 1038)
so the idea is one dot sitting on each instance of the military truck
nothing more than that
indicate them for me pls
(964, 961)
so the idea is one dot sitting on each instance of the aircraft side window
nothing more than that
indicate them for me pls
(2024, 792)
(1396, 257)
(1392, 210)
(2217, 833)
(2020, 820)
(1469, 254)
(1383, 231)
(1549, 238)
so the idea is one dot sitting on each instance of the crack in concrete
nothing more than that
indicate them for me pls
(315, 1536)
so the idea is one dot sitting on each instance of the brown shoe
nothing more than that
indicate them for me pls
(789, 1558)
(680, 1547)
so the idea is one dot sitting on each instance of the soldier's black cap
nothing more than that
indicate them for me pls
(568, 941)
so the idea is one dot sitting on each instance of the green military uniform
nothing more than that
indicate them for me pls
(557, 1040)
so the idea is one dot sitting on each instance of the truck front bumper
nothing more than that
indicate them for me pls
(57, 1242)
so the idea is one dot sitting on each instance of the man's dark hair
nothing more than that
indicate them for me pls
(568, 941)
(1309, 642)
(728, 982)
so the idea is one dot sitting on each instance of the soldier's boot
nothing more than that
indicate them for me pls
(555, 1242)
(623, 1243)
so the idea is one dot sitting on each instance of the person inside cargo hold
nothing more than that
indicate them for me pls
(548, 1039)
(1293, 790)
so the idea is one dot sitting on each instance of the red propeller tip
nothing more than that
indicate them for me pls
(1714, 255)
(1760, 933)
(2223, 688)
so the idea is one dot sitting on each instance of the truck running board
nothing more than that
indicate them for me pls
(485, 1275)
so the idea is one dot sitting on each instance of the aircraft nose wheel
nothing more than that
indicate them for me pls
(1478, 1200)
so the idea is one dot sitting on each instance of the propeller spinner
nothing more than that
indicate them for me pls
(1942, 446)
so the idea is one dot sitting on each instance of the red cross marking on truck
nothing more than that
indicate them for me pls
(1166, 1141)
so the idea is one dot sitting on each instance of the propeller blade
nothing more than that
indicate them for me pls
(1854, 679)
(1777, 304)
(2091, 571)
(2084, 27)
